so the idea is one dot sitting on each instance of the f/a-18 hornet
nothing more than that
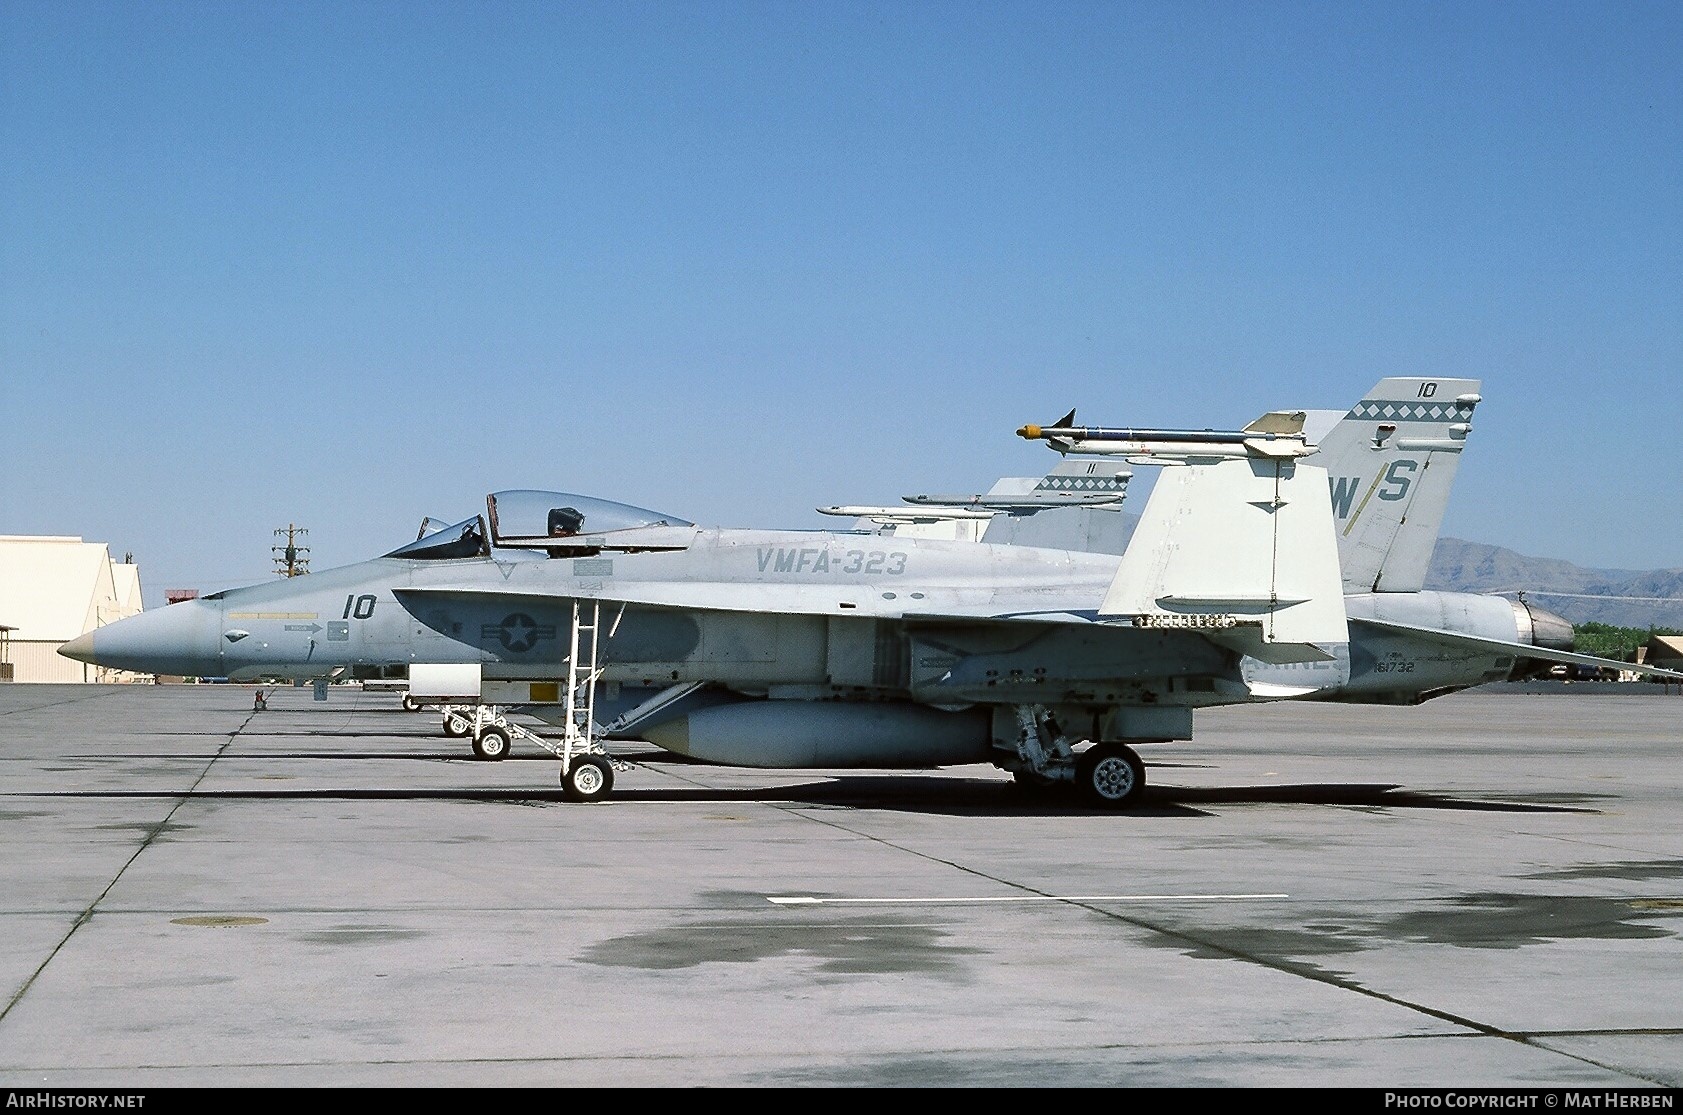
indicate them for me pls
(1284, 560)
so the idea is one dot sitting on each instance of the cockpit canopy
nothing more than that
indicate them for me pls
(566, 524)
(463, 540)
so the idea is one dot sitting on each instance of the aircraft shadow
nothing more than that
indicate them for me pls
(931, 795)
(908, 793)
(250, 732)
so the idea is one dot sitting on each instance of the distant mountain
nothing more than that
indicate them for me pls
(1654, 597)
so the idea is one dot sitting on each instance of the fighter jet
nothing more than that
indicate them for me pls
(1075, 506)
(1254, 574)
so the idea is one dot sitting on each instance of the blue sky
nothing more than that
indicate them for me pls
(347, 265)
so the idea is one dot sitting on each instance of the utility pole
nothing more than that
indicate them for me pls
(291, 559)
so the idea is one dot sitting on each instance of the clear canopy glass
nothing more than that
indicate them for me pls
(530, 515)
(463, 540)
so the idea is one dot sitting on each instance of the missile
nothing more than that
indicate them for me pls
(1276, 434)
(1026, 501)
(904, 514)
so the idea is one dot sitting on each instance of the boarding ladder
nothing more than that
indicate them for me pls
(578, 735)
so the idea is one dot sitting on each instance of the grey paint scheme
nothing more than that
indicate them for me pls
(854, 649)
(773, 620)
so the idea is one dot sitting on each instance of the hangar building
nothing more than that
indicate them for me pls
(53, 589)
(1664, 650)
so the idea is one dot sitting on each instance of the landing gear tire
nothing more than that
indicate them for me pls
(1110, 775)
(588, 779)
(451, 730)
(491, 743)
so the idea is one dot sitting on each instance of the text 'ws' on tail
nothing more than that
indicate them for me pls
(1390, 461)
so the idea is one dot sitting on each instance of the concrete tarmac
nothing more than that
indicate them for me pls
(1483, 891)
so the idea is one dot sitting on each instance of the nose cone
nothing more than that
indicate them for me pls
(175, 639)
(80, 648)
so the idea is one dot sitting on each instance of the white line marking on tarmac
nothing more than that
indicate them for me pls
(804, 900)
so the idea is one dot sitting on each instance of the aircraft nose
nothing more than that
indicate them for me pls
(175, 639)
(81, 648)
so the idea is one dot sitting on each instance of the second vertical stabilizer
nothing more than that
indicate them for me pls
(1390, 462)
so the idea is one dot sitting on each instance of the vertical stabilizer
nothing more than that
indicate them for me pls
(1390, 462)
(1242, 550)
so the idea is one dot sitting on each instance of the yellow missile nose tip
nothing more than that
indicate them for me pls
(1032, 433)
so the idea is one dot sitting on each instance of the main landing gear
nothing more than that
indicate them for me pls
(1043, 761)
(1111, 775)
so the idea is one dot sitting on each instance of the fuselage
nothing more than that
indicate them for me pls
(796, 613)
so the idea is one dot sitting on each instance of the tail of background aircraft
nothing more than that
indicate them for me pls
(1097, 529)
(1076, 506)
(1390, 461)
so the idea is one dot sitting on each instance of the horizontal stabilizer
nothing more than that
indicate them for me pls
(1249, 642)
(1272, 691)
(1518, 650)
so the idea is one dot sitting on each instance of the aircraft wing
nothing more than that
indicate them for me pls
(1519, 650)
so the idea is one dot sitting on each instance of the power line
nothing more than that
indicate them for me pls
(291, 559)
(1587, 596)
